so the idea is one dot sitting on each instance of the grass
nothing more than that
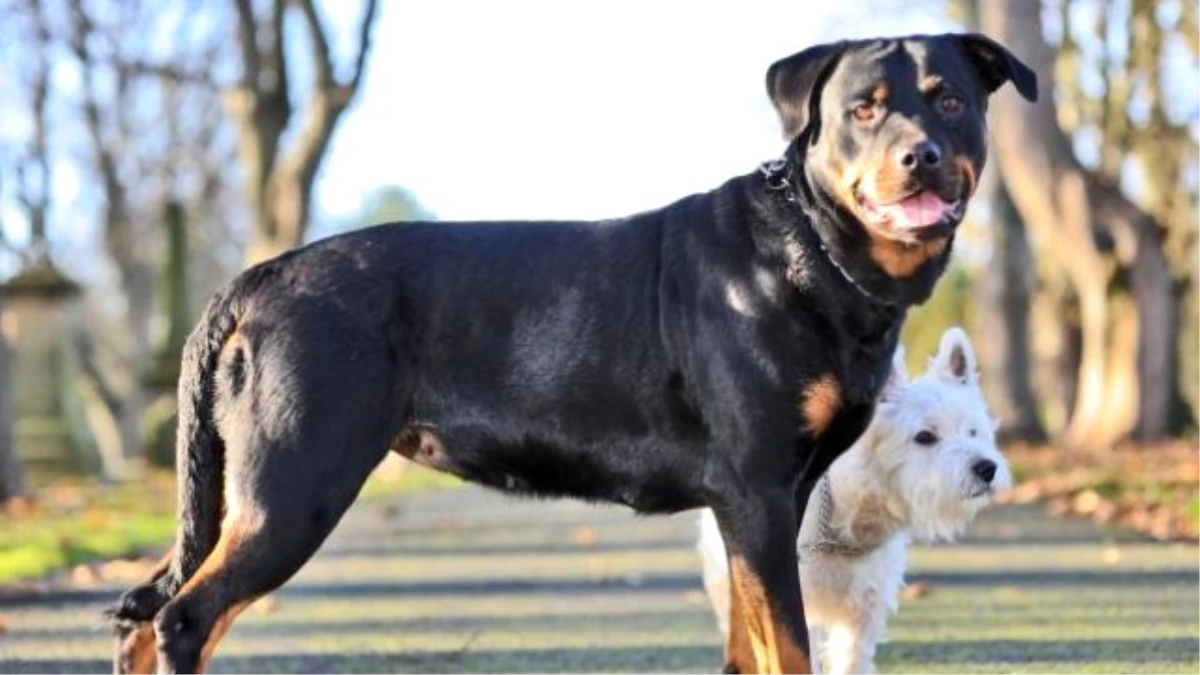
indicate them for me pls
(394, 478)
(75, 521)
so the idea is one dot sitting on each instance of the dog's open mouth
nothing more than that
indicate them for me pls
(913, 213)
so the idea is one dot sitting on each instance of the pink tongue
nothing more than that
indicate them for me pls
(919, 210)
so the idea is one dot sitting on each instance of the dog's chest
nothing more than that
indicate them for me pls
(867, 364)
(861, 372)
(841, 589)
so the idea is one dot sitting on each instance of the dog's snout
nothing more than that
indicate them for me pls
(926, 154)
(984, 469)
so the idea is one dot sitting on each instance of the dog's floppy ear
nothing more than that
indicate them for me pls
(794, 85)
(996, 65)
(897, 375)
(955, 360)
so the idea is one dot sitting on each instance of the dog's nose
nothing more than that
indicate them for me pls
(923, 154)
(984, 469)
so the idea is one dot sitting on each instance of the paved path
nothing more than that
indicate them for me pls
(471, 581)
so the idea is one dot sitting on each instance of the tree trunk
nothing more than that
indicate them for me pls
(1106, 246)
(1004, 323)
(279, 178)
(163, 377)
(12, 484)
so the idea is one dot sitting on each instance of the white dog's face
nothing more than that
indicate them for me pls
(934, 442)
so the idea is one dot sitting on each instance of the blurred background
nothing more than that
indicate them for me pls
(150, 149)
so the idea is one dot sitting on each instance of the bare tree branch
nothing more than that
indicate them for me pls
(365, 31)
(170, 72)
(248, 39)
(279, 189)
(81, 29)
(322, 63)
(34, 195)
(280, 92)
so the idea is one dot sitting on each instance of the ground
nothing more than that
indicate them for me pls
(465, 580)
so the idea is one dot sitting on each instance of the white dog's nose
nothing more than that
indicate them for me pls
(985, 470)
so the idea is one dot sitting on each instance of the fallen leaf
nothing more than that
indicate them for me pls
(585, 537)
(125, 570)
(3, 625)
(18, 507)
(1111, 555)
(1086, 502)
(95, 518)
(1059, 506)
(1105, 512)
(914, 591)
(83, 575)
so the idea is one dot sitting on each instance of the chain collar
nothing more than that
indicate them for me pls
(778, 175)
(830, 541)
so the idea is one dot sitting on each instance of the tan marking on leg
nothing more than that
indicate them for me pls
(232, 535)
(739, 654)
(232, 532)
(218, 631)
(820, 404)
(770, 637)
(137, 653)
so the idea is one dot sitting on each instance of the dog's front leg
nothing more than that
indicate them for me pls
(851, 643)
(767, 632)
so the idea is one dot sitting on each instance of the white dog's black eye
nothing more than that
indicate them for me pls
(925, 437)
(974, 433)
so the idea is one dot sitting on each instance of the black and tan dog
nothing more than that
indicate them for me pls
(720, 352)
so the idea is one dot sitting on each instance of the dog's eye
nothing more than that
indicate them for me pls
(951, 104)
(863, 112)
(974, 433)
(925, 437)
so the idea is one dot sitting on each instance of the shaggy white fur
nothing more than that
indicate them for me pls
(922, 470)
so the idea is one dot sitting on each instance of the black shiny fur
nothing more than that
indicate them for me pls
(659, 361)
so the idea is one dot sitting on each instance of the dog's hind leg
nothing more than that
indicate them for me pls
(132, 616)
(300, 442)
(262, 544)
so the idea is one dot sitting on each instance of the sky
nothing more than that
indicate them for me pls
(531, 109)
(548, 110)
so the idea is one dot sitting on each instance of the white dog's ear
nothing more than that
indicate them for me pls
(897, 375)
(955, 359)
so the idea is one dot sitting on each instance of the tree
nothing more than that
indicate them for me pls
(154, 131)
(279, 179)
(1108, 250)
(392, 204)
(1005, 294)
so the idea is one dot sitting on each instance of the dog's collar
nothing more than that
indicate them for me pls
(830, 541)
(778, 176)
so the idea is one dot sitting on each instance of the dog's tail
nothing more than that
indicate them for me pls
(199, 450)
(200, 459)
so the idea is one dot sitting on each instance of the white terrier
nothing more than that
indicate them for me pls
(923, 468)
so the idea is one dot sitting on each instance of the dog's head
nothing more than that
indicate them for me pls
(893, 132)
(933, 441)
